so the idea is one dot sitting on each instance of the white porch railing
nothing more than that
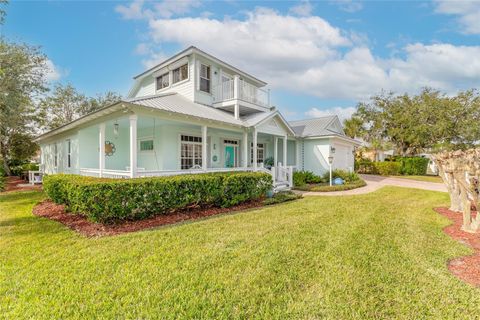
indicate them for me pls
(106, 173)
(252, 94)
(244, 91)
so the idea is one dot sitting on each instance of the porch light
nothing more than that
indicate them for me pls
(332, 149)
(115, 129)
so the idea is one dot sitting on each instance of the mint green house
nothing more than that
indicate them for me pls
(194, 113)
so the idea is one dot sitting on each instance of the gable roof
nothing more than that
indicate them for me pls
(322, 126)
(193, 49)
(258, 118)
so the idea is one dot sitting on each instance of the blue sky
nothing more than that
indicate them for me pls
(318, 57)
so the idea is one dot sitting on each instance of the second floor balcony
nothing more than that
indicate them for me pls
(239, 92)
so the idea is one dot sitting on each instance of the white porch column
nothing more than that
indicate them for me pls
(133, 145)
(236, 111)
(245, 149)
(236, 87)
(236, 96)
(255, 149)
(101, 149)
(204, 148)
(275, 151)
(285, 151)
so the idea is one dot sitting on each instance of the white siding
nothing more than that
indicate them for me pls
(147, 85)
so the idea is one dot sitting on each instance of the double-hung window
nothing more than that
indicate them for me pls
(190, 152)
(205, 78)
(69, 153)
(260, 152)
(162, 81)
(180, 73)
(146, 145)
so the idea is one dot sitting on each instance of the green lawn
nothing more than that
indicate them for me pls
(436, 179)
(379, 255)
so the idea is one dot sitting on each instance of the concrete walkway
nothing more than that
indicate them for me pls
(376, 182)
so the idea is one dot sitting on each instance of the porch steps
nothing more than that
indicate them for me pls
(281, 186)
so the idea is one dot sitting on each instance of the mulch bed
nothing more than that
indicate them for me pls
(79, 223)
(17, 184)
(466, 268)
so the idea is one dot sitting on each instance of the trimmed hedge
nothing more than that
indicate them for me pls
(414, 166)
(107, 200)
(411, 166)
(388, 168)
(2, 183)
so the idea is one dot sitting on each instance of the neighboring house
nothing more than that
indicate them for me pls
(194, 113)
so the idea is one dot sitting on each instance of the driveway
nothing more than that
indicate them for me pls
(376, 182)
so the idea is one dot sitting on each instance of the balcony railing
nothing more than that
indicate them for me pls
(241, 90)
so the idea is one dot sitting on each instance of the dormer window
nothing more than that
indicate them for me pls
(180, 73)
(162, 81)
(205, 78)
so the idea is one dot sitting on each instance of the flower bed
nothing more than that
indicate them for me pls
(107, 200)
(307, 181)
(325, 187)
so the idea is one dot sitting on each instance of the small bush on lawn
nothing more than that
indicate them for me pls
(280, 197)
(107, 200)
(301, 178)
(2, 183)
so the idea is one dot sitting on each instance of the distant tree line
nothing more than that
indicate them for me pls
(430, 121)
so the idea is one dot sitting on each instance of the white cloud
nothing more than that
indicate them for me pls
(304, 9)
(468, 13)
(349, 5)
(134, 11)
(342, 112)
(309, 55)
(53, 72)
(165, 9)
(264, 43)
(169, 8)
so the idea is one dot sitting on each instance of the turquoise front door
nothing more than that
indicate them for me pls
(229, 156)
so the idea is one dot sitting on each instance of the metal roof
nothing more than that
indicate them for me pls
(315, 127)
(176, 103)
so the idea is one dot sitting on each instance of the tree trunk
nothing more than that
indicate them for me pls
(4, 160)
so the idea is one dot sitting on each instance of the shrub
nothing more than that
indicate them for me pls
(2, 183)
(414, 166)
(107, 200)
(346, 176)
(365, 166)
(326, 188)
(343, 187)
(387, 168)
(18, 170)
(280, 197)
(301, 178)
